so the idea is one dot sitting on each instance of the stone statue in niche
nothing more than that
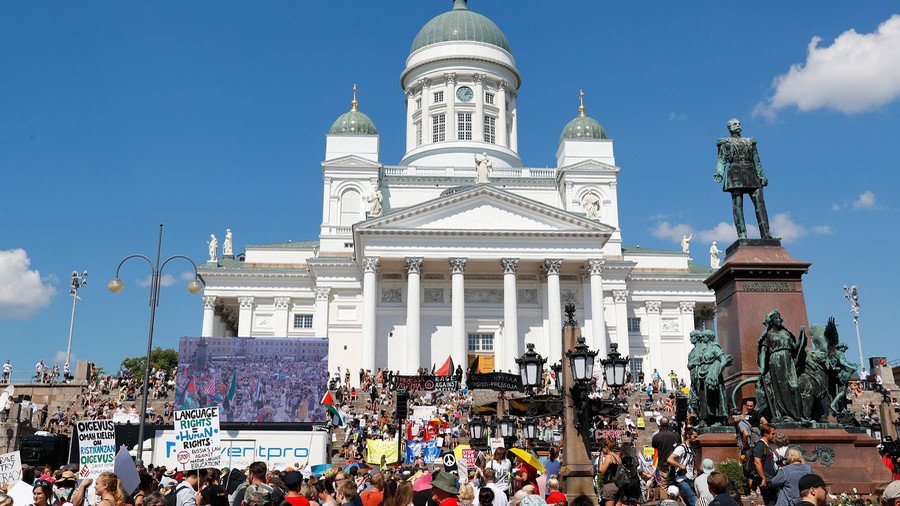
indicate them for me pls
(376, 204)
(590, 203)
(213, 245)
(483, 168)
(228, 245)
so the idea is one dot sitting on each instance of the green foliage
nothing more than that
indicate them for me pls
(160, 358)
(733, 470)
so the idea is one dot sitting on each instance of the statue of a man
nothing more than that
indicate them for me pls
(740, 171)
(714, 256)
(483, 168)
(591, 205)
(227, 248)
(686, 243)
(376, 201)
(213, 245)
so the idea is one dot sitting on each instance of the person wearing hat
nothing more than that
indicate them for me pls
(293, 480)
(64, 488)
(444, 489)
(673, 497)
(701, 486)
(891, 496)
(813, 491)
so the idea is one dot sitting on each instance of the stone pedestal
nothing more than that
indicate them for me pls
(758, 276)
(577, 474)
(845, 460)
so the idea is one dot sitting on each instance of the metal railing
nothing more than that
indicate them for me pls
(469, 172)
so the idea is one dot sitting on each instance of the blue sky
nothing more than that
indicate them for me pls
(118, 116)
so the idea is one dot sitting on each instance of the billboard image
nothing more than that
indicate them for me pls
(254, 379)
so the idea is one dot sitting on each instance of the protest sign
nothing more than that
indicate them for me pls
(10, 468)
(381, 447)
(198, 441)
(426, 383)
(496, 442)
(423, 413)
(498, 381)
(96, 448)
(468, 457)
(428, 451)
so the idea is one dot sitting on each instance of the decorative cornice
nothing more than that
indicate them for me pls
(453, 59)
(282, 302)
(595, 266)
(553, 265)
(620, 295)
(457, 265)
(687, 306)
(450, 78)
(370, 264)
(246, 302)
(653, 306)
(510, 265)
(424, 83)
(414, 265)
(209, 302)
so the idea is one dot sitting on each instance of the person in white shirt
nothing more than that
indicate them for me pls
(490, 476)
(501, 467)
(682, 457)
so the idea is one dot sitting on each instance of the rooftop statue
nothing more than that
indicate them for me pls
(376, 202)
(227, 246)
(686, 243)
(740, 171)
(213, 245)
(483, 168)
(590, 203)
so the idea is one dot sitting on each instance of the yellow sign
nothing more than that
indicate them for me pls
(641, 424)
(376, 448)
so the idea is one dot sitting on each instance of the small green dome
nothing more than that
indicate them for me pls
(353, 122)
(583, 126)
(460, 24)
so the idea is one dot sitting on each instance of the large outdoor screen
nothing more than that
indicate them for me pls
(265, 380)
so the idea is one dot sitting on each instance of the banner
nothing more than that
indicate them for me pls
(199, 442)
(428, 451)
(10, 468)
(468, 457)
(426, 383)
(376, 448)
(96, 448)
(498, 381)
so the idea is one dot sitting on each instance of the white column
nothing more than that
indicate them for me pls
(245, 316)
(218, 326)
(554, 309)
(209, 316)
(425, 86)
(598, 316)
(410, 124)
(450, 97)
(413, 319)
(478, 117)
(514, 131)
(458, 345)
(500, 100)
(654, 328)
(280, 316)
(320, 315)
(370, 294)
(620, 298)
(687, 326)
(505, 355)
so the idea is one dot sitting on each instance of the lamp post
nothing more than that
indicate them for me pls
(615, 368)
(78, 280)
(115, 286)
(531, 364)
(531, 429)
(477, 426)
(851, 293)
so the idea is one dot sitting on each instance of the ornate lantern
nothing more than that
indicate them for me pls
(531, 364)
(581, 360)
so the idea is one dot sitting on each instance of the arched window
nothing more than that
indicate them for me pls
(351, 207)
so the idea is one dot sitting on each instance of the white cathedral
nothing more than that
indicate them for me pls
(461, 250)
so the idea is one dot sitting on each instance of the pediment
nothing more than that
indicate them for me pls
(350, 161)
(592, 165)
(483, 209)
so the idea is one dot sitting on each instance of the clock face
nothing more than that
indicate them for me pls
(465, 94)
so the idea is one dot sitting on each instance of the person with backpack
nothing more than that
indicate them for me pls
(610, 460)
(213, 494)
(764, 464)
(681, 461)
(185, 493)
(627, 478)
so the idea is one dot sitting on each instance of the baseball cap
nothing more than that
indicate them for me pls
(892, 491)
(292, 479)
(672, 491)
(809, 481)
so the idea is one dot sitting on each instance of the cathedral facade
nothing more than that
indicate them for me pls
(460, 250)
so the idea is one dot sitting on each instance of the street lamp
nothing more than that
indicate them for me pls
(507, 427)
(115, 286)
(851, 293)
(477, 425)
(531, 428)
(614, 367)
(531, 364)
(78, 280)
(581, 360)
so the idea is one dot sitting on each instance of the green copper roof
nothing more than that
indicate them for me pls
(460, 24)
(583, 127)
(353, 123)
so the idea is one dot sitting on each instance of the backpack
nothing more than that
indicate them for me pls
(172, 496)
(627, 481)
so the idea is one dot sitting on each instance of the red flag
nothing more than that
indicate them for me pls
(327, 400)
(447, 369)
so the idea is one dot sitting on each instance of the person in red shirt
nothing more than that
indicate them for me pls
(555, 496)
(444, 489)
(293, 480)
(375, 495)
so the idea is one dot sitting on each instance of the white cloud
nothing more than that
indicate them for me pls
(665, 230)
(858, 72)
(823, 230)
(784, 227)
(724, 232)
(166, 280)
(23, 293)
(187, 276)
(836, 207)
(677, 117)
(866, 200)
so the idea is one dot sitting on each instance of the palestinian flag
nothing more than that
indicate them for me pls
(328, 402)
(232, 390)
(447, 369)
(190, 396)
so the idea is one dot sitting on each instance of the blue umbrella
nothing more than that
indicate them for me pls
(320, 468)
(357, 465)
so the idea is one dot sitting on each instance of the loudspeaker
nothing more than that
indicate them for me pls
(402, 405)
(681, 406)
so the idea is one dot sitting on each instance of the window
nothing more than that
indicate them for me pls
(489, 98)
(464, 126)
(438, 97)
(480, 343)
(303, 321)
(636, 366)
(490, 129)
(438, 128)
(634, 325)
(351, 207)
(419, 133)
(418, 104)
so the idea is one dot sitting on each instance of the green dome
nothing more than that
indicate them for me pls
(460, 24)
(353, 123)
(583, 127)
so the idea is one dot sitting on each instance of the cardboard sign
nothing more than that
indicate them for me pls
(468, 457)
(496, 442)
(96, 448)
(199, 443)
(10, 468)
(423, 413)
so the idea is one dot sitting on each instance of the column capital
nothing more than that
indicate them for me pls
(687, 306)
(653, 306)
(323, 292)
(282, 302)
(457, 265)
(595, 266)
(414, 265)
(620, 295)
(502, 85)
(209, 302)
(449, 78)
(479, 78)
(553, 265)
(370, 264)
(424, 83)
(510, 265)
(246, 302)
(409, 94)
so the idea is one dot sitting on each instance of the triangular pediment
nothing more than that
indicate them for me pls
(350, 161)
(593, 165)
(483, 209)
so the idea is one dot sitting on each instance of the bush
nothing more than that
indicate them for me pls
(733, 470)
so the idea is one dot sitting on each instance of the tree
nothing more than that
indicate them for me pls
(160, 358)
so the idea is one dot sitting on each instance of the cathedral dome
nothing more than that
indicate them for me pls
(353, 122)
(460, 24)
(583, 126)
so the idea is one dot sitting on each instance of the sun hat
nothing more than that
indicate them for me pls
(708, 466)
(892, 491)
(445, 481)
